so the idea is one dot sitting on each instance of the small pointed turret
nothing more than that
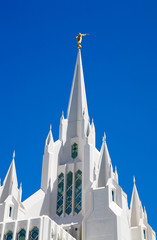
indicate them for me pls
(92, 125)
(105, 165)
(49, 138)
(77, 108)
(49, 141)
(10, 182)
(145, 215)
(116, 175)
(20, 193)
(135, 207)
(62, 128)
(47, 161)
(62, 117)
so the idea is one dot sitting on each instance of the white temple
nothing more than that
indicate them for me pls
(80, 197)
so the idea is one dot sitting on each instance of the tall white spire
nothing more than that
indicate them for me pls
(77, 108)
(105, 165)
(135, 207)
(10, 182)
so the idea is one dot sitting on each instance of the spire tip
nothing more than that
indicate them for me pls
(104, 137)
(134, 180)
(13, 154)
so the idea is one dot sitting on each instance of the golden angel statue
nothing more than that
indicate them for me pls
(79, 37)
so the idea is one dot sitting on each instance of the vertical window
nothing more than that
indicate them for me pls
(74, 150)
(52, 235)
(113, 196)
(21, 235)
(78, 191)
(10, 211)
(60, 194)
(34, 234)
(144, 234)
(69, 193)
(9, 236)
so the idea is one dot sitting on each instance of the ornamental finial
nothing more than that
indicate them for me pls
(79, 36)
(134, 180)
(14, 154)
(104, 137)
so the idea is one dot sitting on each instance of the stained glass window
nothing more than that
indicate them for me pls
(69, 193)
(21, 235)
(8, 236)
(34, 234)
(74, 150)
(78, 191)
(60, 194)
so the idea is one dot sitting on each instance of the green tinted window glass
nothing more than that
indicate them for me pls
(74, 150)
(69, 193)
(34, 234)
(60, 194)
(78, 191)
(21, 235)
(112, 195)
(9, 236)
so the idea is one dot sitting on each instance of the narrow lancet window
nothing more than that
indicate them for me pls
(78, 191)
(144, 234)
(69, 182)
(74, 150)
(21, 235)
(113, 196)
(34, 234)
(60, 194)
(10, 211)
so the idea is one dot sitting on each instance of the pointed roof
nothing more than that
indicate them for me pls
(49, 138)
(135, 207)
(78, 104)
(105, 165)
(10, 182)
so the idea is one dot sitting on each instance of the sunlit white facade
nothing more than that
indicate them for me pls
(80, 197)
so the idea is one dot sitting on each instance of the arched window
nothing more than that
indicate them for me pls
(78, 191)
(21, 235)
(144, 234)
(69, 193)
(74, 150)
(34, 234)
(60, 194)
(9, 236)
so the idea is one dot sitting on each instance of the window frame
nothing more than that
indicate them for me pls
(30, 234)
(74, 150)
(22, 229)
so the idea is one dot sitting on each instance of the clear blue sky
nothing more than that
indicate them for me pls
(37, 58)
